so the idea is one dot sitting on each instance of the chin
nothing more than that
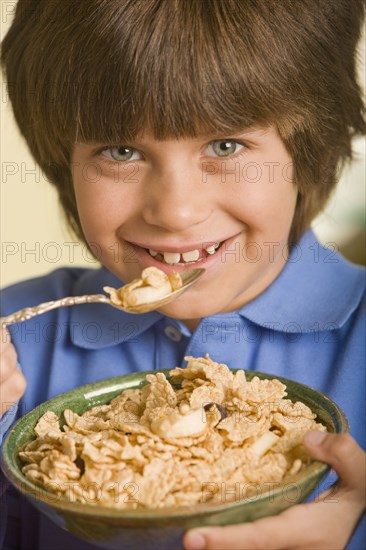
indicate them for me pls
(183, 312)
(185, 308)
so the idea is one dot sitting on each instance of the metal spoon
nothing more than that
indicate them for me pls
(189, 277)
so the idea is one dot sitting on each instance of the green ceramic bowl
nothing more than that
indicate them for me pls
(159, 529)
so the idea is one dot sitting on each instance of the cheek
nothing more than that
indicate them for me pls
(274, 195)
(90, 206)
(265, 206)
(102, 206)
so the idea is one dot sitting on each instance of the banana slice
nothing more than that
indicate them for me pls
(177, 424)
(145, 294)
(263, 443)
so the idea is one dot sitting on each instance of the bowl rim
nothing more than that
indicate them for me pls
(35, 492)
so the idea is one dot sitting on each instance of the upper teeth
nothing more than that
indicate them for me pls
(211, 249)
(171, 257)
(190, 256)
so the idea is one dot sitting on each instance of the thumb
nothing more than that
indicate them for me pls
(342, 453)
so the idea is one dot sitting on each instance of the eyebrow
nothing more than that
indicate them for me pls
(250, 132)
(256, 131)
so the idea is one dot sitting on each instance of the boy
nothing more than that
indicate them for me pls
(185, 133)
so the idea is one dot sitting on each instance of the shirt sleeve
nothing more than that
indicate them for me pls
(357, 540)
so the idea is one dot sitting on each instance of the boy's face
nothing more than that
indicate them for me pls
(175, 197)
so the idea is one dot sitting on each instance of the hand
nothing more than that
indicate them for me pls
(12, 381)
(327, 523)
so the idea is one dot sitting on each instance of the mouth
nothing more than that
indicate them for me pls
(187, 257)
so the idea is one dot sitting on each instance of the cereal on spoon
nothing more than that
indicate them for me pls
(153, 285)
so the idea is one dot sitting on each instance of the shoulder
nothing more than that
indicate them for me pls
(317, 287)
(341, 283)
(336, 265)
(58, 283)
(324, 264)
(324, 277)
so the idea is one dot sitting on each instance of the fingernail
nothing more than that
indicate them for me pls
(195, 541)
(315, 437)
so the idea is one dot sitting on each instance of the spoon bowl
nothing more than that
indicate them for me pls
(189, 277)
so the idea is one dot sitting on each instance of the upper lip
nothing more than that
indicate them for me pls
(177, 248)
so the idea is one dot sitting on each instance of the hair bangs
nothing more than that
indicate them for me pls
(173, 70)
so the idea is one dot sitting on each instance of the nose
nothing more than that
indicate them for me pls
(176, 198)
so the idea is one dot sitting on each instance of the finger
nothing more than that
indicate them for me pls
(5, 335)
(318, 526)
(5, 338)
(232, 537)
(340, 451)
(12, 390)
(8, 362)
(272, 533)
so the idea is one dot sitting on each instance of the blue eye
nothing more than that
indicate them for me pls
(224, 147)
(122, 153)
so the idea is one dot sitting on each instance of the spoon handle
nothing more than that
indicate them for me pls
(29, 312)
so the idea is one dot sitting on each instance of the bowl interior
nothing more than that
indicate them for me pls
(85, 397)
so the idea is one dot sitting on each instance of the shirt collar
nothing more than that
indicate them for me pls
(96, 326)
(316, 290)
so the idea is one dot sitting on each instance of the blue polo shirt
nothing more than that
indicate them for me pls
(308, 325)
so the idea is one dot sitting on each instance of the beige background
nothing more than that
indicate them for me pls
(35, 240)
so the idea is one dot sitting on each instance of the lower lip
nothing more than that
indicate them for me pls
(208, 262)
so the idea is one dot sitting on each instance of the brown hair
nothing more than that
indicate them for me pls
(103, 70)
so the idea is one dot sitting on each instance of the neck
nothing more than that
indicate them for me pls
(191, 323)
